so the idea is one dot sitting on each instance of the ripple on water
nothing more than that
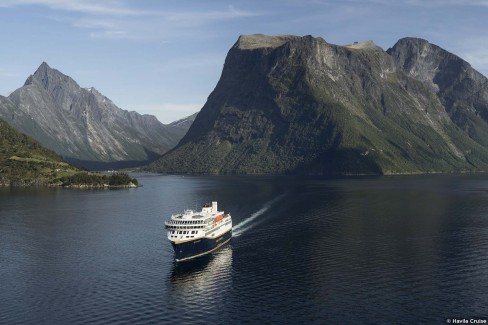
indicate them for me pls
(327, 251)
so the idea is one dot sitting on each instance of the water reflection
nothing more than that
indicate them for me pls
(199, 273)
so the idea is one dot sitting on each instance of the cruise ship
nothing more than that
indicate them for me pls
(196, 233)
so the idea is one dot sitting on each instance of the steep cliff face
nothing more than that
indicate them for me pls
(82, 125)
(462, 90)
(288, 104)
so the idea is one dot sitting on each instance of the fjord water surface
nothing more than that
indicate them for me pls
(336, 251)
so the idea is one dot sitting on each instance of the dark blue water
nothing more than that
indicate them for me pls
(403, 250)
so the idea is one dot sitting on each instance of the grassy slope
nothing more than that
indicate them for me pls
(24, 162)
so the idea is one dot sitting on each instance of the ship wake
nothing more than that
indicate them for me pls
(251, 221)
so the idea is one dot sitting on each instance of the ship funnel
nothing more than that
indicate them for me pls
(214, 207)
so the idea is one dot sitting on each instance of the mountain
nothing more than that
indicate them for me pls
(184, 123)
(84, 126)
(290, 104)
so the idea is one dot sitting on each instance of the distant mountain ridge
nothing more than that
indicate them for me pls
(83, 125)
(290, 104)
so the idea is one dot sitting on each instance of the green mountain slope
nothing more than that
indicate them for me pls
(288, 104)
(24, 162)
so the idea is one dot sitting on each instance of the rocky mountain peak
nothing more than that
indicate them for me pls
(368, 45)
(255, 41)
(459, 87)
(50, 79)
(44, 67)
(412, 42)
(44, 71)
(425, 61)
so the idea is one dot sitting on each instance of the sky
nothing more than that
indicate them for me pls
(165, 57)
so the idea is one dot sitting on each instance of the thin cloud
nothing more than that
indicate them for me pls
(5, 73)
(118, 8)
(443, 3)
(206, 16)
(112, 8)
(116, 20)
(389, 3)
